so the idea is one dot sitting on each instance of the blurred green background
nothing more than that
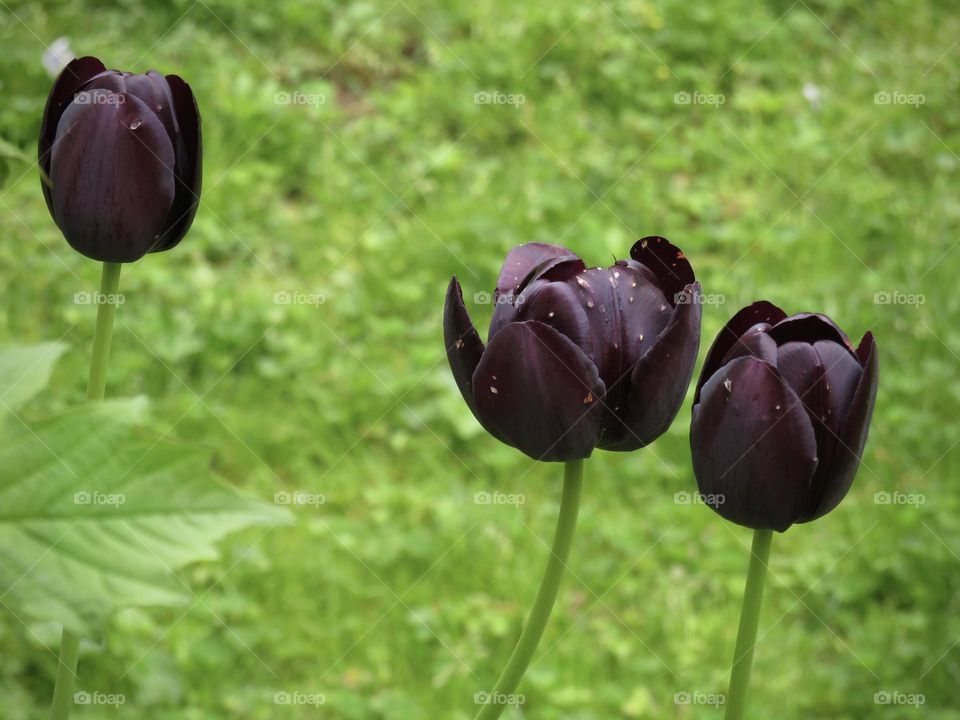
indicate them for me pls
(803, 152)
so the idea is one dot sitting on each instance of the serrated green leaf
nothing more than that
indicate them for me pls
(95, 516)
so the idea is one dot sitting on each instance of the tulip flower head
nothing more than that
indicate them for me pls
(122, 154)
(780, 416)
(579, 358)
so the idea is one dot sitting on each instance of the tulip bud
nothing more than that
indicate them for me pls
(780, 416)
(122, 154)
(579, 358)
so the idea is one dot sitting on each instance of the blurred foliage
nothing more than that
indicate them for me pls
(399, 597)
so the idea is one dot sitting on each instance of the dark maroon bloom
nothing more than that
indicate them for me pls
(123, 156)
(780, 416)
(579, 358)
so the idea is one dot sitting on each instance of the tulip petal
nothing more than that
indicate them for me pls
(754, 343)
(808, 327)
(522, 260)
(464, 346)
(668, 264)
(510, 306)
(556, 304)
(189, 170)
(156, 92)
(151, 87)
(643, 309)
(753, 445)
(842, 372)
(621, 305)
(537, 391)
(70, 81)
(853, 434)
(759, 313)
(659, 380)
(837, 376)
(112, 175)
(803, 371)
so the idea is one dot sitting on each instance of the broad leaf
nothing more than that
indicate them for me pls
(95, 516)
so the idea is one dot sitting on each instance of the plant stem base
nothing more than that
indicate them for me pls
(546, 597)
(96, 389)
(749, 621)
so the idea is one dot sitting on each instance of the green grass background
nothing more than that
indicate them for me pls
(401, 597)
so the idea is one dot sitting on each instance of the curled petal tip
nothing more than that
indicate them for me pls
(666, 261)
(463, 345)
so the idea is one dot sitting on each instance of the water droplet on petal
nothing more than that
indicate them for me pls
(135, 124)
(728, 384)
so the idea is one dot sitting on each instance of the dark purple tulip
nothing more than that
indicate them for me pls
(123, 156)
(780, 416)
(579, 358)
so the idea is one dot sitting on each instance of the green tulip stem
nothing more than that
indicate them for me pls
(106, 309)
(498, 700)
(66, 676)
(749, 620)
(96, 389)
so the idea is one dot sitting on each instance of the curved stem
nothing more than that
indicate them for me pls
(749, 620)
(497, 701)
(96, 389)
